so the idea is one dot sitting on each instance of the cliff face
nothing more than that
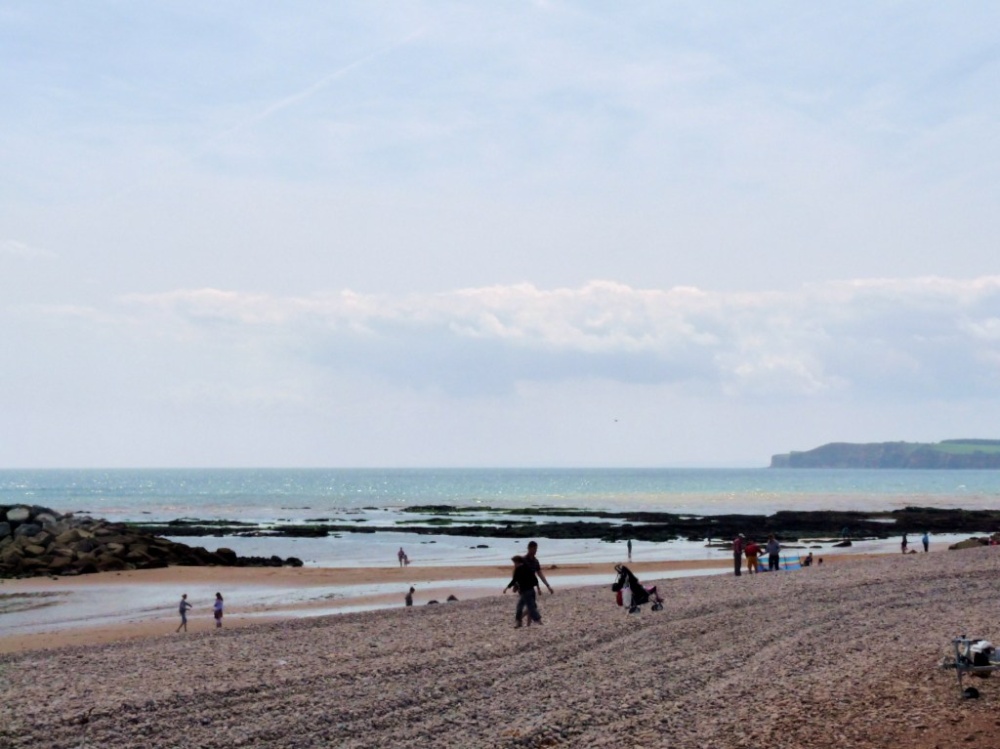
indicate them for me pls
(975, 454)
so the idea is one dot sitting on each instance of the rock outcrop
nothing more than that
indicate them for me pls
(39, 541)
(975, 542)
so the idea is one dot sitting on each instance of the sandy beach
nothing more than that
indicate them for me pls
(843, 655)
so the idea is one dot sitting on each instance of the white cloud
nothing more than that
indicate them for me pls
(14, 248)
(872, 336)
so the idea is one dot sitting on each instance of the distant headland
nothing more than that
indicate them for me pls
(960, 453)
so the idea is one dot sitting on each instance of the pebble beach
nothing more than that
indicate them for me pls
(843, 655)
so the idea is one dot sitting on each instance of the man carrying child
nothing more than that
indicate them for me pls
(527, 570)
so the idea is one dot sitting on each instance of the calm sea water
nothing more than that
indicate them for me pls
(272, 495)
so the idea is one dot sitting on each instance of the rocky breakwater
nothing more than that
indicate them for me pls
(39, 541)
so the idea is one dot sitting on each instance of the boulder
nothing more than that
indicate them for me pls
(43, 539)
(5, 529)
(34, 565)
(27, 529)
(83, 546)
(46, 519)
(68, 537)
(60, 564)
(110, 563)
(18, 515)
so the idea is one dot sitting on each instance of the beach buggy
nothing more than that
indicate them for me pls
(638, 594)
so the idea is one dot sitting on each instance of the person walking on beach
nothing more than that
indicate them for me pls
(773, 549)
(904, 543)
(409, 596)
(401, 556)
(532, 562)
(183, 608)
(738, 554)
(217, 610)
(926, 541)
(524, 582)
(630, 549)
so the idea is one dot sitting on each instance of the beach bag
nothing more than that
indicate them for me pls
(618, 598)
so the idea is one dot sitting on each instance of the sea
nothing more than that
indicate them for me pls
(379, 500)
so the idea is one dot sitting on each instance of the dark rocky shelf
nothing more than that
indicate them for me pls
(618, 526)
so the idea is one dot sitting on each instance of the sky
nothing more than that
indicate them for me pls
(543, 233)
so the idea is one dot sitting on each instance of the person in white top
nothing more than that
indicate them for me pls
(217, 608)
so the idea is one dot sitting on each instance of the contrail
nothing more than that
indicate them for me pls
(271, 109)
(316, 87)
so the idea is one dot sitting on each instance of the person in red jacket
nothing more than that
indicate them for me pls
(752, 551)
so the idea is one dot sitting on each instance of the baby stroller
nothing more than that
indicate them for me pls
(640, 593)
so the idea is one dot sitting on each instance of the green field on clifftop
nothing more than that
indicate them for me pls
(949, 454)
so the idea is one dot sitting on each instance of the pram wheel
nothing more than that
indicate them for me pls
(657, 607)
(633, 609)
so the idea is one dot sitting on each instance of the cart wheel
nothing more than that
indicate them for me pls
(633, 609)
(970, 693)
(657, 607)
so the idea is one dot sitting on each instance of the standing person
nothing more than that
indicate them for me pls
(926, 540)
(752, 550)
(401, 556)
(773, 549)
(217, 609)
(183, 608)
(904, 543)
(409, 596)
(630, 549)
(738, 554)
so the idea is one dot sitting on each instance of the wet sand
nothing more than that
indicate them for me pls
(254, 595)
